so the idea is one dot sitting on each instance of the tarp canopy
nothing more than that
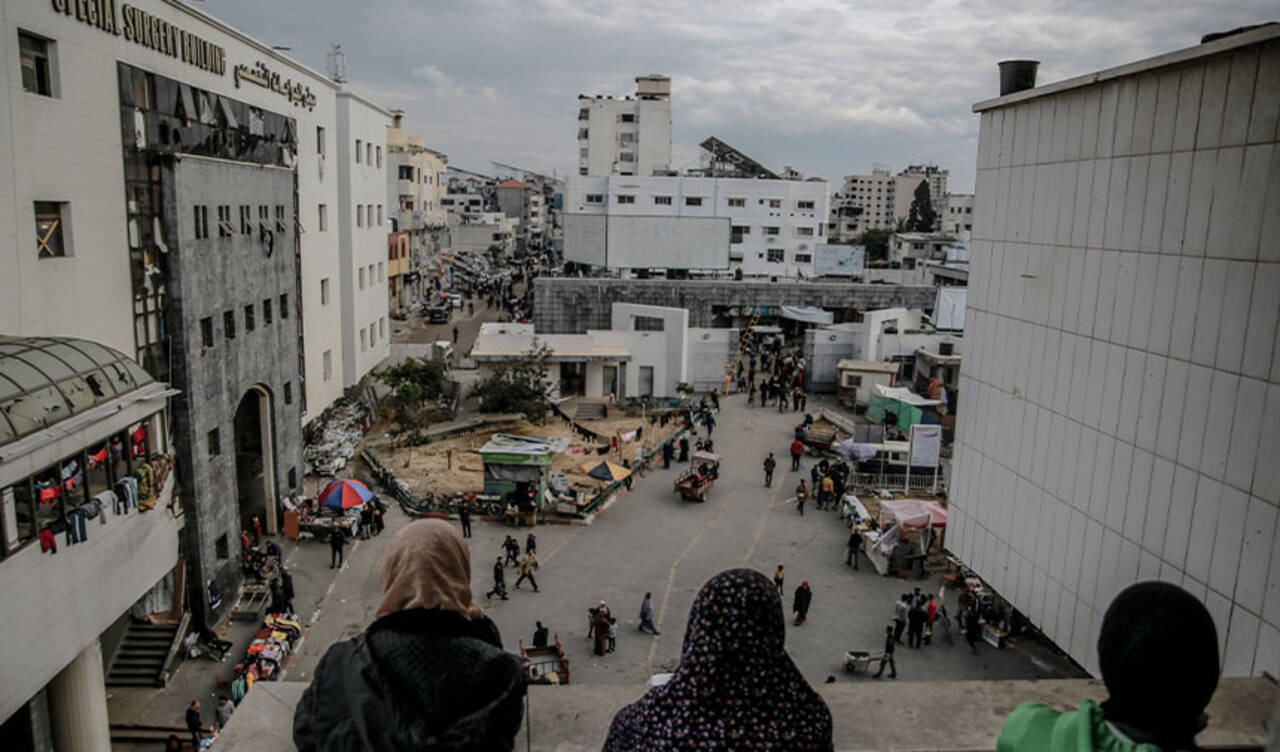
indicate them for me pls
(913, 513)
(906, 396)
(809, 314)
(855, 450)
(606, 471)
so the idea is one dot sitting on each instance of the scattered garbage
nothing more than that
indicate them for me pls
(336, 437)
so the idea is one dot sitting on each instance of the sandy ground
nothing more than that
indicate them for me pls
(426, 469)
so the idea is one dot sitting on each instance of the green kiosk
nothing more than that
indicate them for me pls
(517, 469)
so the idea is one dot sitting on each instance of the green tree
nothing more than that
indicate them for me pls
(876, 243)
(415, 386)
(921, 216)
(519, 387)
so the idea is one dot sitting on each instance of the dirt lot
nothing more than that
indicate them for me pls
(425, 469)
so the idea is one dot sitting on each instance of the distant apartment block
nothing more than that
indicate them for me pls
(629, 135)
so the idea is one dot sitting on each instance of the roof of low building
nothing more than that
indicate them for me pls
(878, 366)
(512, 184)
(44, 380)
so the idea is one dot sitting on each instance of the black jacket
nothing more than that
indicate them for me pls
(423, 679)
(193, 719)
(803, 597)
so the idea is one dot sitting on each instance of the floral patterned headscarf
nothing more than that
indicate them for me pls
(735, 688)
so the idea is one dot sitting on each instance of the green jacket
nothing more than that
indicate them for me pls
(1035, 727)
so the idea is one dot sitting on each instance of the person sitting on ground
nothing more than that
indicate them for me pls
(1158, 653)
(735, 687)
(429, 673)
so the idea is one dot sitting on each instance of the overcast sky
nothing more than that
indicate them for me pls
(827, 86)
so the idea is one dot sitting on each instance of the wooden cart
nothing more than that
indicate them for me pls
(695, 482)
(547, 665)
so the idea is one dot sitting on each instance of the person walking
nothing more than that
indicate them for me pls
(499, 581)
(778, 576)
(223, 710)
(751, 396)
(531, 544)
(193, 722)
(540, 636)
(526, 572)
(972, 628)
(900, 610)
(464, 516)
(769, 464)
(797, 448)
(666, 455)
(800, 603)
(802, 495)
(512, 547)
(337, 542)
(286, 590)
(710, 422)
(915, 625)
(455, 335)
(601, 629)
(826, 497)
(684, 449)
(855, 545)
(646, 615)
(887, 659)
(715, 401)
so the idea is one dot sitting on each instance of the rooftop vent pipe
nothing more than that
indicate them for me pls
(1017, 75)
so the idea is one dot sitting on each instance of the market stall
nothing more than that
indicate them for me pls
(910, 535)
(336, 508)
(517, 469)
(906, 407)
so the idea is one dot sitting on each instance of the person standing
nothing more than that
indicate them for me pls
(600, 632)
(646, 615)
(540, 636)
(889, 643)
(751, 396)
(499, 581)
(337, 542)
(797, 448)
(769, 464)
(222, 712)
(826, 498)
(526, 572)
(531, 544)
(802, 495)
(900, 610)
(855, 545)
(257, 529)
(684, 449)
(455, 335)
(778, 576)
(715, 401)
(464, 516)
(666, 455)
(512, 548)
(915, 625)
(286, 589)
(800, 603)
(972, 628)
(193, 722)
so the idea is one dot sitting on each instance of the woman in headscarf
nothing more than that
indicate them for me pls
(735, 688)
(1158, 653)
(429, 674)
(600, 627)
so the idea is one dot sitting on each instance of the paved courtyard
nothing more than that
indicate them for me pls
(650, 540)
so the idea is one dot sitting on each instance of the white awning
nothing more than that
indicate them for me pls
(808, 314)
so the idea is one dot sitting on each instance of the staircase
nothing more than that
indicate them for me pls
(142, 655)
(591, 411)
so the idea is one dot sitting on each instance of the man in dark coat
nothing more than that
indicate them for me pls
(800, 604)
(972, 628)
(499, 581)
(855, 545)
(889, 644)
(915, 625)
(464, 516)
(540, 636)
(684, 449)
(769, 464)
(193, 722)
(286, 589)
(666, 455)
(337, 541)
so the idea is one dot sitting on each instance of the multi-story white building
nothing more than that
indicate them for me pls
(626, 136)
(956, 214)
(881, 200)
(171, 194)
(763, 227)
(362, 196)
(480, 232)
(527, 204)
(1121, 418)
(415, 184)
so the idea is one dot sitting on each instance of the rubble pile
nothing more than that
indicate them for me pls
(336, 438)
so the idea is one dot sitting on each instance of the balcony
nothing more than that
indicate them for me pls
(867, 715)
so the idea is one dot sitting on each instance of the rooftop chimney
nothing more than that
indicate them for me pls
(1017, 75)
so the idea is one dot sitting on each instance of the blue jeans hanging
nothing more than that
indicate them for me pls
(75, 526)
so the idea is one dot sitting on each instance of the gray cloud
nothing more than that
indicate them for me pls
(828, 86)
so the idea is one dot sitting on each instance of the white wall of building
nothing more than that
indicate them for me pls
(786, 217)
(362, 200)
(1121, 418)
(670, 363)
(956, 214)
(627, 135)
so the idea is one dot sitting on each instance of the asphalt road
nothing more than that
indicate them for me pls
(650, 540)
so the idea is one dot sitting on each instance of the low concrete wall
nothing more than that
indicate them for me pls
(869, 715)
(570, 305)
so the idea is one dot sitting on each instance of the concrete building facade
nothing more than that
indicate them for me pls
(629, 135)
(761, 227)
(956, 214)
(362, 196)
(570, 305)
(415, 184)
(1122, 382)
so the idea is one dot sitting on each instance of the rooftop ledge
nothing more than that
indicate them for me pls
(868, 715)
(1177, 57)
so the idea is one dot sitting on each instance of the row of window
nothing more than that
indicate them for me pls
(250, 320)
(406, 172)
(376, 329)
(227, 227)
(778, 256)
(364, 215)
(381, 276)
(732, 203)
(44, 500)
(369, 151)
(736, 232)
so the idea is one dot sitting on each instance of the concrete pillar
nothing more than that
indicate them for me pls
(78, 704)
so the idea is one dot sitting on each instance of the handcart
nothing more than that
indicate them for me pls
(859, 661)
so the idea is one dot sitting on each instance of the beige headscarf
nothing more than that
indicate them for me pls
(428, 566)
